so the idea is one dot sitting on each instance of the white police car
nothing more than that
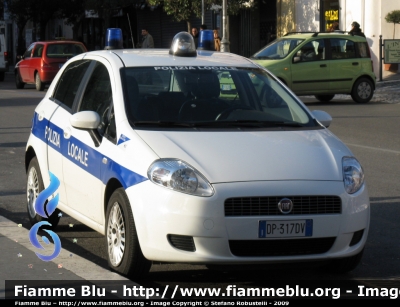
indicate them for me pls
(153, 153)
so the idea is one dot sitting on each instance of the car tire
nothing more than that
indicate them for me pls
(2, 74)
(344, 265)
(363, 90)
(18, 81)
(124, 254)
(324, 98)
(34, 185)
(38, 83)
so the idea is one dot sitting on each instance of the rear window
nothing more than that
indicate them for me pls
(64, 50)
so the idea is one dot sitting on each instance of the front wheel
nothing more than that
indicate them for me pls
(34, 185)
(324, 98)
(18, 81)
(124, 254)
(38, 83)
(363, 90)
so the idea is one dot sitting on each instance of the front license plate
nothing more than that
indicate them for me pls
(285, 229)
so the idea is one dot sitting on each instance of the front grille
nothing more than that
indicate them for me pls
(185, 243)
(292, 247)
(253, 206)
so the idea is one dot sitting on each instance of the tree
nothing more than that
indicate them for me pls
(182, 10)
(20, 12)
(393, 17)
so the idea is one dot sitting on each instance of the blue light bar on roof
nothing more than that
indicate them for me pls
(113, 39)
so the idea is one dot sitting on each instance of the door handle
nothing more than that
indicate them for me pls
(67, 133)
(322, 65)
(354, 63)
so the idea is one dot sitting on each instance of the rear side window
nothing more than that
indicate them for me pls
(68, 85)
(343, 49)
(363, 49)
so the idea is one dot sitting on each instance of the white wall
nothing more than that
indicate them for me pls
(307, 15)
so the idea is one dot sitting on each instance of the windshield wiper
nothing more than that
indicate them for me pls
(247, 123)
(163, 124)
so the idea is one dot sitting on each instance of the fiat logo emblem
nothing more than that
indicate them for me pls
(285, 205)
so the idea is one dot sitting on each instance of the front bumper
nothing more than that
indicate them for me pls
(159, 213)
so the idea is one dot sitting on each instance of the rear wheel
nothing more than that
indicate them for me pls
(124, 254)
(34, 185)
(324, 98)
(18, 81)
(363, 90)
(39, 84)
(2, 74)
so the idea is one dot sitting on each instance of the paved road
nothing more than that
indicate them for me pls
(371, 131)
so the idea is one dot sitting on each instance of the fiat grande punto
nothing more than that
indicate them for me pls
(150, 151)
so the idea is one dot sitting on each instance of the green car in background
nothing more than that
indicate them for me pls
(321, 64)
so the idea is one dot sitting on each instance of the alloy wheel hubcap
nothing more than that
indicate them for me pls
(32, 191)
(364, 90)
(116, 235)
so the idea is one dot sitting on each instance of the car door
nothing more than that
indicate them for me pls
(84, 159)
(24, 64)
(35, 61)
(63, 96)
(345, 64)
(310, 70)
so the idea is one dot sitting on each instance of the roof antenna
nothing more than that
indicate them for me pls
(133, 44)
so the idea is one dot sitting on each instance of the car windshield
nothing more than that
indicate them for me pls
(63, 50)
(278, 49)
(223, 97)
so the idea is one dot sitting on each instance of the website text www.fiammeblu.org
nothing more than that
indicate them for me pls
(230, 291)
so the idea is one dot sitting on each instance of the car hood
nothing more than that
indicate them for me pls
(252, 156)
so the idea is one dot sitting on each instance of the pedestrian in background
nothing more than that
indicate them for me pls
(334, 27)
(217, 41)
(195, 34)
(203, 27)
(147, 39)
(356, 30)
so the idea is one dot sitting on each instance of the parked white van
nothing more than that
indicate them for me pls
(3, 57)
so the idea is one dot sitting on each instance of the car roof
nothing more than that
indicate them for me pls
(161, 57)
(338, 34)
(58, 42)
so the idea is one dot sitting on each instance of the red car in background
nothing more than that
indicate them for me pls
(42, 60)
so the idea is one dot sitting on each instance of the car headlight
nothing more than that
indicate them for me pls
(179, 176)
(353, 174)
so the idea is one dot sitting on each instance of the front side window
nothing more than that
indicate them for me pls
(68, 85)
(209, 96)
(28, 52)
(312, 51)
(98, 97)
(37, 53)
(278, 49)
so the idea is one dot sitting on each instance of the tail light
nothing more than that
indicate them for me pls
(5, 55)
(372, 64)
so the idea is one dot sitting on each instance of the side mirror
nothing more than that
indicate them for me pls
(90, 121)
(85, 120)
(296, 59)
(324, 118)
